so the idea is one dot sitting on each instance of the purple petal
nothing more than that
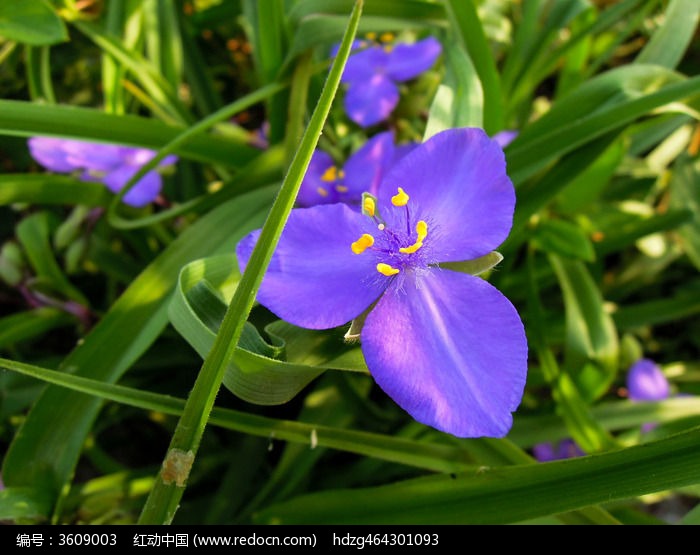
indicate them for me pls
(450, 349)
(544, 452)
(361, 66)
(365, 169)
(49, 153)
(94, 156)
(406, 61)
(457, 183)
(144, 192)
(314, 279)
(646, 382)
(565, 449)
(311, 186)
(370, 101)
(402, 150)
(504, 138)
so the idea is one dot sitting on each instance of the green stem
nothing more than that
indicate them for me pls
(165, 497)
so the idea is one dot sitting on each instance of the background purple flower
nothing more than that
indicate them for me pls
(110, 164)
(646, 382)
(326, 183)
(446, 346)
(372, 75)
(564, 449)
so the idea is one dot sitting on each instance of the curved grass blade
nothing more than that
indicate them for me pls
(466, 23)
(51, 189)
(26, 119)
(31, 22)
(670, 41)
(506, 494)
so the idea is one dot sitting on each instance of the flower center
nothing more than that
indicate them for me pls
(395, 248)
(332, 182)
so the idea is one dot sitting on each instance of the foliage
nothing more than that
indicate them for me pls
(118, 324)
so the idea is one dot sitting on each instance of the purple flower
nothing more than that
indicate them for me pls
(325, 183)
(646, 382)
(504, 138)
(446, 346)
(112, 165)
(564, 449)
(373, 72)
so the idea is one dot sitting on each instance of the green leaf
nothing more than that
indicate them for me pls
(467, 26)
(54, 431)
(670, 41)
(163, 40)
(31, 324)
(17, 504)
(255, 375)
(563, 238)
(476, 266)
(325, 30)
(505, 494)
(34, 233)
(587, 186)
(580, 423)
(459, 101)
(421, 10)
(267, 34)
(684, 304)
(685, 180)
(612, 415)
(434, 456)
(51, 189)
(591, 338)
(32, 22)
(603, 104)
(159, 90)
(25, 119)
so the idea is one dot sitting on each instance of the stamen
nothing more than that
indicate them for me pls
(362, 244)
(387, 270)
(400, 198)
(371, 35)
(422, 230)
(341, 188)
(331, 174)
(387, 37)
(369, 207)
(321, 191)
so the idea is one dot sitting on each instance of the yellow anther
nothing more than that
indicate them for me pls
(387, 270)
(341, 188)
(422, 230)
(400, 198)
(362, 244)
(321, 191)
(369, 206)
(331, 174)
(371, 35)
(387, 37)
(388, 48)
(413, 248)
